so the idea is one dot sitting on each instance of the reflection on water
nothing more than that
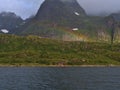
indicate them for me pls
(37, 78)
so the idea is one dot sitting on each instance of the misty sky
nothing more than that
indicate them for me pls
(23, 8)
(100, 6)
(26, 8)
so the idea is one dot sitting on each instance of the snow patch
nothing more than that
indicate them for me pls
(75, 29)
(76, 13)
(4, 31)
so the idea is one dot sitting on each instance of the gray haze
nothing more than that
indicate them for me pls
(96, 7)
(26, 8)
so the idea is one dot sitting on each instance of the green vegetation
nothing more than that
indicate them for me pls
(15, 50)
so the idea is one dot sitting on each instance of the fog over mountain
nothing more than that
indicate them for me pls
(26, 8)
(96, 7)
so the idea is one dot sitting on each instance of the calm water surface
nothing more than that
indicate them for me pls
(77, 78)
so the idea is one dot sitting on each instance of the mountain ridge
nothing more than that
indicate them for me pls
(59, 10)
(67, 20)
(9, 21)
(64, 14)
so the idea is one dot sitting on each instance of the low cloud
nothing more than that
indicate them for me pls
(96, 7)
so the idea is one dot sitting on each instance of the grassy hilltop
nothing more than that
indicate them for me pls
(15, 50)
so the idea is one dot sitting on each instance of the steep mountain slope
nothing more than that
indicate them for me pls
(57, 11)
(66, 13)
(9, 22)
(56, 19)
(67, 20)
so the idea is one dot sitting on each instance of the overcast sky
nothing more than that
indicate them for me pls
(100, 6)
(26, 8)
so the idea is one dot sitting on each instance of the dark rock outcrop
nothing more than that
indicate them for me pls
(9, 21)
(58, 11)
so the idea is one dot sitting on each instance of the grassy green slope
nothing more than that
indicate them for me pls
(35, 50)
(90, 28)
